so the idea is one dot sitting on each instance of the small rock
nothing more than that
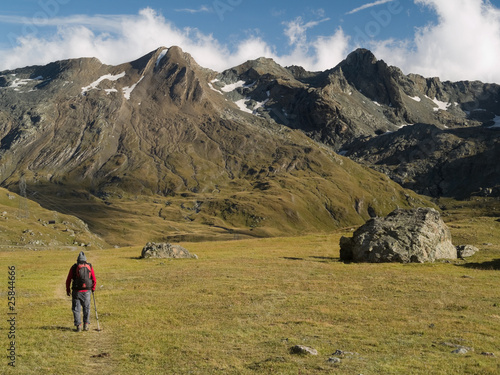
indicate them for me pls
(464, 251)
(301, 349)
(101, 355)
(459, 348)
(343, 353)
(460, 351)
(487, 354)
(334, 360)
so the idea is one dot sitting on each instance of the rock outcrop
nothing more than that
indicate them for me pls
(436, 162)
(406, 236)
(165, 250)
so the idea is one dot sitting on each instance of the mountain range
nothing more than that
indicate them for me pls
(164, 148)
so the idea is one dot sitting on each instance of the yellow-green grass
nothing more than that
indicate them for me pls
(24, 223)
(240, 307)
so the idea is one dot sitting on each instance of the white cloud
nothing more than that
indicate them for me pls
(464, 44)
(117, 39)
(321, 53)
(201, 9)
(113, 40)
(296, 30)
(366, 6)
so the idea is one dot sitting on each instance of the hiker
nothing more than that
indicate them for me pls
(84, 281)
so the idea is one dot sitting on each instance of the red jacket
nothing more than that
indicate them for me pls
(70, 278)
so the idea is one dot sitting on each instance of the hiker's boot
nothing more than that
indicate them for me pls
(86, 326)
(78, 328)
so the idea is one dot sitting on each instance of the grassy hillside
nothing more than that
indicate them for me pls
(323, 192)
(241, 306)
(24, 223)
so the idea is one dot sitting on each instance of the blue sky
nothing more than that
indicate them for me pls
(456, 40)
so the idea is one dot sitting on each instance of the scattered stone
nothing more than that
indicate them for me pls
(101, 355)
(487, 354)
(464, 251)
(343, 353)
(405, 236)
(334, 360)
(165, 250)
(459, 349)
(304, 350)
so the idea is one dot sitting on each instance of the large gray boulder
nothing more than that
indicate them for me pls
(165, 250)
(416, 236)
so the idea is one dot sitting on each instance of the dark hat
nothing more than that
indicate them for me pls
(81, 257)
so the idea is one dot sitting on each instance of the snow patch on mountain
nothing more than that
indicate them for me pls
(96, 83)
(416, 98)
(160, 57)
(497, 122)
(128, 89)
(242, 105)
(404, 125)
(20, 83)
(260, 105)
(440, 105)
(233, 86)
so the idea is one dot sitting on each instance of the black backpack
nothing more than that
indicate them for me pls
(81, 276)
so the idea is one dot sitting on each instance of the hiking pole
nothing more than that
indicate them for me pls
(96, 317)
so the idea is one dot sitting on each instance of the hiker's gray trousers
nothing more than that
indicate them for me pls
(81, 301)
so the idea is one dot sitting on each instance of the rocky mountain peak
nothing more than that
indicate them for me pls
(253, 70)
(360, 58)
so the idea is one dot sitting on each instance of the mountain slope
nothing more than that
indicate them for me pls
(361, 96)
(25, 224)
(436, 162)
(104, 137)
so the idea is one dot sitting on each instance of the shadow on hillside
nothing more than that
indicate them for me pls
(315, 259)
(56, 328)
(325, 259)
(491, 265)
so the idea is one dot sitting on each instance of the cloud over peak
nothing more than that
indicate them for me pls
(464, 43)
(369, 5)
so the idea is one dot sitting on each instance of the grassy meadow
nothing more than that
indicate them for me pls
(240, 307)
